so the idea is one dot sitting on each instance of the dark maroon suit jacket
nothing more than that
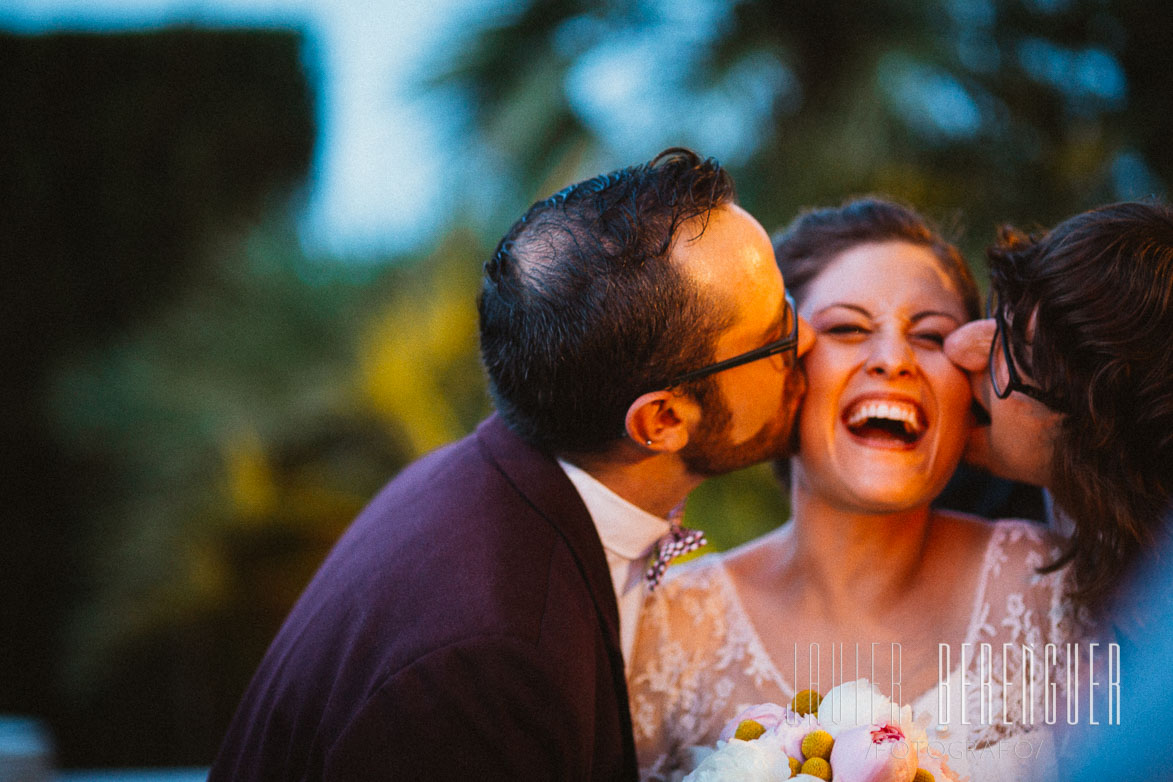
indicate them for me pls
(464, 627)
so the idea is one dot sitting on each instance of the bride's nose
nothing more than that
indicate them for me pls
(890, 357)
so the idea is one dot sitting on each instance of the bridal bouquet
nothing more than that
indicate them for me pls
(853, 734)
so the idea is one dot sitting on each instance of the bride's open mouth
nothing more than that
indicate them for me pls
(886, 422)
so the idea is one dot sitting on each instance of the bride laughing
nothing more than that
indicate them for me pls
(866, 579)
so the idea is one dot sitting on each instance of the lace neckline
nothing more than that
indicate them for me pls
(758, 649)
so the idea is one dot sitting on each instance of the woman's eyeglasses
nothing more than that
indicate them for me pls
(1004, 375)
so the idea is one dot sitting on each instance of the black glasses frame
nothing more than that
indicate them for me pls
(789, 342)
(1014, 380)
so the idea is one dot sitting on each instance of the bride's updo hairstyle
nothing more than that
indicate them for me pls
(1100, 285)
(818, 236)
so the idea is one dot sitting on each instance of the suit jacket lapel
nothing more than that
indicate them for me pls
(539, 479)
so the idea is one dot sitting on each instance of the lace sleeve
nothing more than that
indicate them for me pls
(1019, 645)
(696, 662)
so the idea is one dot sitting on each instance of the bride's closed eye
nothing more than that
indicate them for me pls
(933, 338)
(845, 330)
(929, 338)
(932, 329)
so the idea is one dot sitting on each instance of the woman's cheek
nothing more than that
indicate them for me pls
(955, 397)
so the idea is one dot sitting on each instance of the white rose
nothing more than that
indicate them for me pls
(743, 761)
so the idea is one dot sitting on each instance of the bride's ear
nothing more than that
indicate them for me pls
(661, 420)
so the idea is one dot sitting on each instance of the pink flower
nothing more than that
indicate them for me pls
(767, 715)
(873, 753)
(861, 703)
(790, 732)
(935, 763)
(784, 727)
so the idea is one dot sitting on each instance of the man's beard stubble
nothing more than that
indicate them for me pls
(709, 451)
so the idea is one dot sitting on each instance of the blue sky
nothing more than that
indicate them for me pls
(376, 184)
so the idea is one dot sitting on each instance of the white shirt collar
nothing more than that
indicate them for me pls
(625, 528)
(628, 534)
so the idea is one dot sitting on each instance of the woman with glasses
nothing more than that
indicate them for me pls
(1074, 366)
(866, 579)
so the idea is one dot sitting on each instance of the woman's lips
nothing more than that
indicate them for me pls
(886, 421)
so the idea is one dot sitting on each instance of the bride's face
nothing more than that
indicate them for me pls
(886, 414)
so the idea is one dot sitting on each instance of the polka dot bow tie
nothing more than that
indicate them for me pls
(680, 540)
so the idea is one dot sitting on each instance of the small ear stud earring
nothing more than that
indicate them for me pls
(647, 442)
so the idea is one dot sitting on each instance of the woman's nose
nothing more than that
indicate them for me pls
(891, 356)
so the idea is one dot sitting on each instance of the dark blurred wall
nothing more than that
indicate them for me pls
(123, 158)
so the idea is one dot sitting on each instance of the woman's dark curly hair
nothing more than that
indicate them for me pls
(1101, 284)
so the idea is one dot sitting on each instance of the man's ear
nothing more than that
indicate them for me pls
(661, 420)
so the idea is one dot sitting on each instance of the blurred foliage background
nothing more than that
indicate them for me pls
(197, 406)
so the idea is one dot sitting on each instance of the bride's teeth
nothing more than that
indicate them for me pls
(892, 411)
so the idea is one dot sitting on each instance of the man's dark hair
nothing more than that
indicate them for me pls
(582, 309)
(1101, 284)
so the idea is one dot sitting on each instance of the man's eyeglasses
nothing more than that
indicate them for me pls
(1004, 376)
(787, 343)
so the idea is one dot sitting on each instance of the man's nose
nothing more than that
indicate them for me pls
(969, 346)
(806, 336)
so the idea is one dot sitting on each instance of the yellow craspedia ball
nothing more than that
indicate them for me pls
(794, 765)
(806, 702)
(924, 776)
(748, 730)
(817, 744)
(817, 767)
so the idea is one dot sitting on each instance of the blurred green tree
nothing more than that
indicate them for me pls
(241, 430)
(124, 157)
(1027, 110)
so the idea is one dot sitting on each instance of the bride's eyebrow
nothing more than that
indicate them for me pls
(843, 305)
(933, 314)
(917, 318)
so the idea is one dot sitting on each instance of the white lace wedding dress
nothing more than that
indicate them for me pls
(699, 660)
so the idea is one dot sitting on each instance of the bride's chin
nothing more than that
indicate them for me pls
(881, 494)
(878, 502)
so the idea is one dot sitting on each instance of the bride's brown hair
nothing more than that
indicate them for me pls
(817, 236)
